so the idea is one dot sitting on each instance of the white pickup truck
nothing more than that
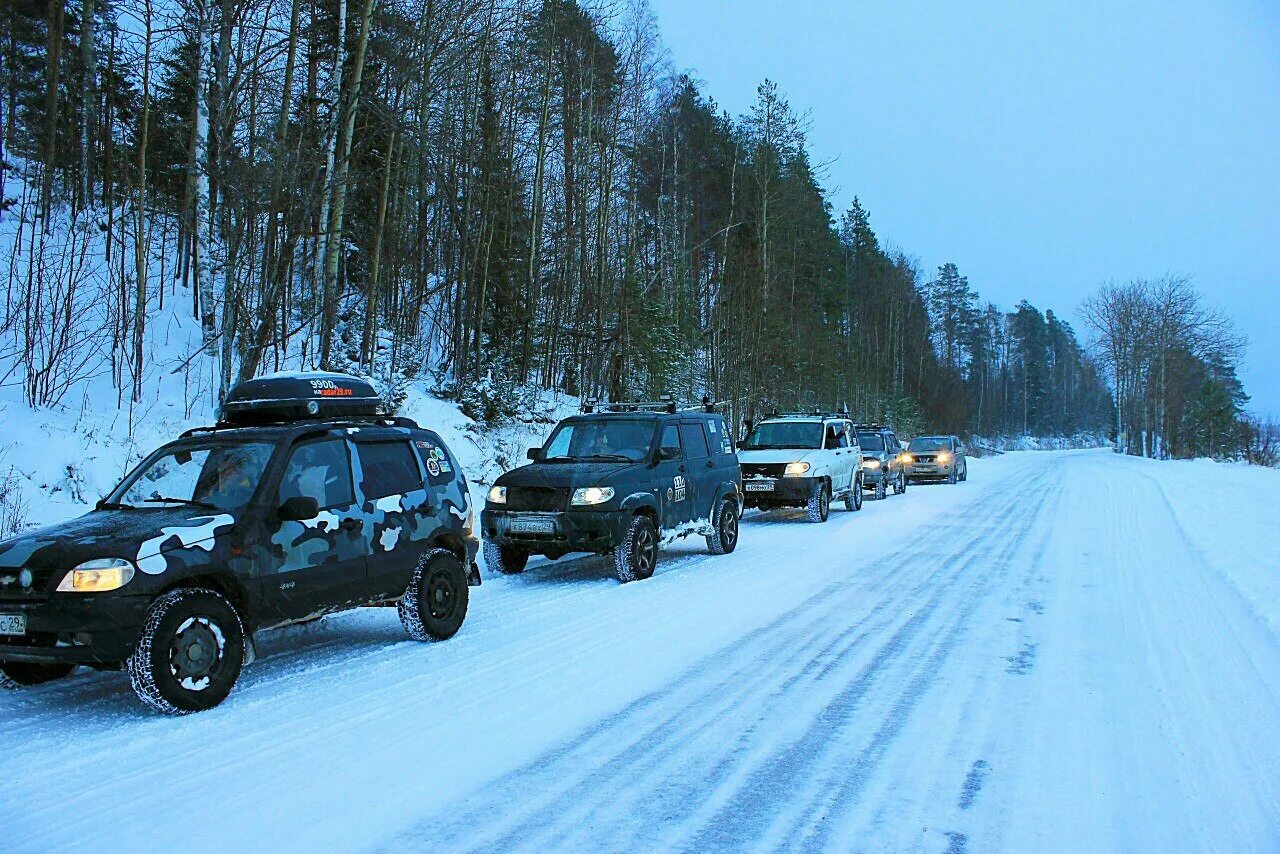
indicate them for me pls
(802, 460)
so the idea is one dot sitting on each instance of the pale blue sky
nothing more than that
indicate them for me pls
(1042, 146)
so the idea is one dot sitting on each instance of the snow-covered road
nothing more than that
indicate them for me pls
(1053, 656)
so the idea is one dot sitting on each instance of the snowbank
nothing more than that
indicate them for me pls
(985, 446)
(1229, 512)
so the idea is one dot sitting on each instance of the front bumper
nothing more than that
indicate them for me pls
(925, 471)
(76, 629)
(777, 491)
(871, 477)
(563, 531)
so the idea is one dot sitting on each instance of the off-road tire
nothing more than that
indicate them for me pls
(853, 501)
(508, 560)
(154, 666)
(435, 603)
(953, 478)
(964, 474)
(19, 674)
(901, 485)
(819, 506)
(724, 529)
(881, 490)
(637, 555)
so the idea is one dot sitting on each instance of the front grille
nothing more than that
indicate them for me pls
(763, 469)
(925, 459)
(12, 591)
(544, 499)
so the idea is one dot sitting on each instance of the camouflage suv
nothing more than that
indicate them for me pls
(302, 501)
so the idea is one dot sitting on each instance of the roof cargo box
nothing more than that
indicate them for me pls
(290, 397)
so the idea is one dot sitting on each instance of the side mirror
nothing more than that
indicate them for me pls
(298, 508)
(534, 454)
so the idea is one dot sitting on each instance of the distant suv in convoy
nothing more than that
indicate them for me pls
(619, 481)
(301, 501)
(802, 460)
(936, 458)
(882, 465)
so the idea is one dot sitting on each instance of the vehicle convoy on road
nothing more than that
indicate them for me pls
(882, 460)
(802, 460)
(301, 501)
(620, 481)
(938, 458)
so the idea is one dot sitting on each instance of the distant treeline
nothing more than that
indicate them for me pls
(500, 192)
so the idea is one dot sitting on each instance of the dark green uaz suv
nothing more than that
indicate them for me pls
(619, 482)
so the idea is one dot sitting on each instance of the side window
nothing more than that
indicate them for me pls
(671, 439)
(695, 441)
(842, 436)
(853, 437)
(319, 470)
(387, 468)
(719, 438)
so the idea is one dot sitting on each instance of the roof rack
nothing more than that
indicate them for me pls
(318, 421)
(810, 413)
(664, 404)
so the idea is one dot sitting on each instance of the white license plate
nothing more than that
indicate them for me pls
(531, 526)
(13, 624)
(759, 486)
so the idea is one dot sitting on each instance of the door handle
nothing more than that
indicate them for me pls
(682, 468)
(711, 463)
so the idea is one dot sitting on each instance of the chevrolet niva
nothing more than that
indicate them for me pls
(302, 501)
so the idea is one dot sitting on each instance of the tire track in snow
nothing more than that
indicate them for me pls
(550, 813)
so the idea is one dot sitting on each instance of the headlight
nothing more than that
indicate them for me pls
(592, 495)
(907, 459)
(871, 464)
(944, 458)
(498, 495)
(97, 576)
(795, 469)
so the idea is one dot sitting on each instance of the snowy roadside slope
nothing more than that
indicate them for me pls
(1231, 514)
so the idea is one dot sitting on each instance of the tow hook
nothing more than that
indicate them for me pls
(473, 575)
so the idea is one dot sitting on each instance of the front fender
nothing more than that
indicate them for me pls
(639, 501)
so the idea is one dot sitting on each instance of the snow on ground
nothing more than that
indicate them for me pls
(1068, 652)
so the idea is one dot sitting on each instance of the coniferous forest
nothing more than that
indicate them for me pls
(485, 194)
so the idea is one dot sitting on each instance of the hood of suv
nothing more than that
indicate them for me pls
(150, 537)
(565, 475)
(778, 455)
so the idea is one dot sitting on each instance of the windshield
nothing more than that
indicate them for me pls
(920, 444)
(601, 439)
(217, 477)
(871, 441)
(786, 434)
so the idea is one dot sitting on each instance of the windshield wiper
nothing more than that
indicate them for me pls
(189, 502)
(623, 457)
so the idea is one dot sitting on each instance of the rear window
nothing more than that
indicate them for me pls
(388, 468)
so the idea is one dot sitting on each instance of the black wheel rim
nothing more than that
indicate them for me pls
(728, 527)
(442, 595)
(645, 548)
(197, 653)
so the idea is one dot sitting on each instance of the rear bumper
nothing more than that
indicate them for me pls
(785, 491)
(569, 531)
(75, 629)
